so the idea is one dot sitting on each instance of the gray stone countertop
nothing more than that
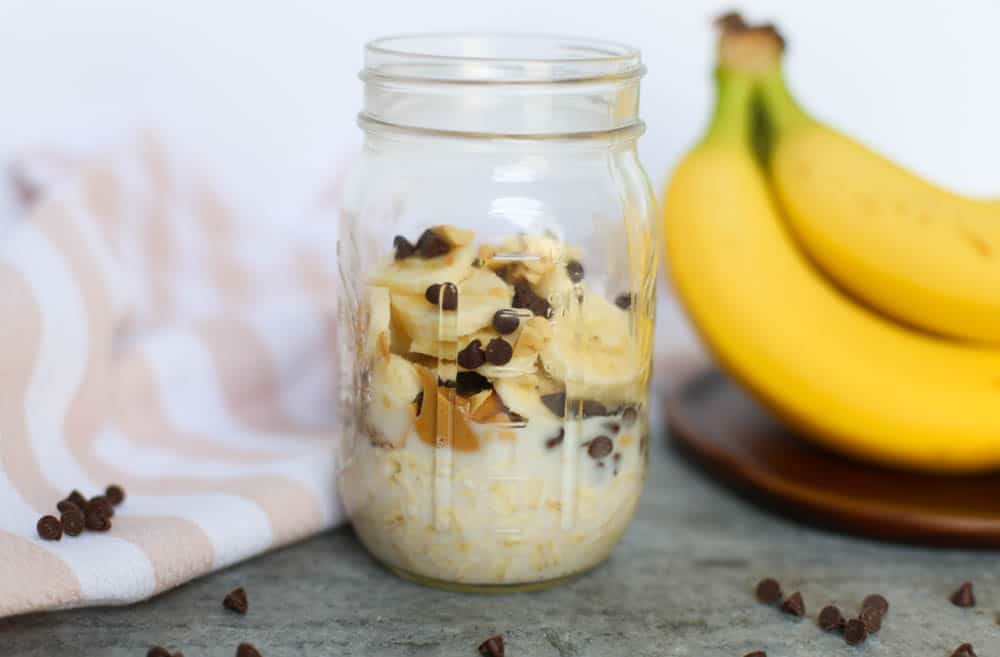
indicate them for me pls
(681, 583)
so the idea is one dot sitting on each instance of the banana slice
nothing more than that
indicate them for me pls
(522, 395)
(591, 351)
(529, 257)
(480, 295)
(391, 412)
(415, 274)
(527, 343)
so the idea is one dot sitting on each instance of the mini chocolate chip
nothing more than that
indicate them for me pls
(872, 618)
(878, 602)
(556, 440)
(432, 293)
(756, 653)
(541, 308)
(470, 383)
(964, 597)
(768, 591)
(555, 402)
(630, 415)
(65, 505)
(855, 632)
(247, 650)
(73, 522)
(77, 498)
(574, 270)
(472, 356)
(624, 301)
(593, 408)
(499, 351)
(600, 447)
(449, 297)
(964, 650)
(432, 245)
(103, 503)
(505, 321)
(96, 520)
(830, 619)
(492, 647)
(525, 297)
(613, 427)
(236, 600)
(158, 651)
(419, 401)
(115, 493)
(403, 247)
(49, 528)
(794, 605)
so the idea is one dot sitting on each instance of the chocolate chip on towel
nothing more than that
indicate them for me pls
(855, 632)
(49, 528)
(877, 601)
(247, 650)
(158, 651)
(73, 522)
(830, 619)
(115, 493)
(768, 591)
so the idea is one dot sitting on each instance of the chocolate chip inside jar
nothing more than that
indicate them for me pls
(487, 382)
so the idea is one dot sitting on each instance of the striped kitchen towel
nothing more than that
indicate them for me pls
(152, 337)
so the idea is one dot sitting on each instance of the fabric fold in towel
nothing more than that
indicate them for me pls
(153, 337)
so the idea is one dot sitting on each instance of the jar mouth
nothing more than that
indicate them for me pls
(499, 58)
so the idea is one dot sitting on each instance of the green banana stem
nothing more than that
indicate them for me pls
(783, 112)
(730, 122)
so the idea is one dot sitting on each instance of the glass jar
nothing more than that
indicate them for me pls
(498, 253)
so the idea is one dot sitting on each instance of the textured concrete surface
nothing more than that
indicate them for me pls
(681, 583)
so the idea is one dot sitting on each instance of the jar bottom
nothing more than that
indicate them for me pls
(488, 589)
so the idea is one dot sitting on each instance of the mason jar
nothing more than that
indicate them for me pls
(498, 255)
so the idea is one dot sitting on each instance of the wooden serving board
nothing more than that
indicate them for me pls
(722, 428)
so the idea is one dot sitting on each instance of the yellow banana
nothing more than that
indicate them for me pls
(848, 378)
(913, 251)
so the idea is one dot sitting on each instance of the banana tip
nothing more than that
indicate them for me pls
(746, 46)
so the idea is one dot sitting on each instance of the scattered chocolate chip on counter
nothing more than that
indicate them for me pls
(492, 647)
(65, 505)
(505, 321)
(855, 632)
(877, 601)
(574, 270)
(96, 520)
(964, 597)
(499, 352)
(236, 600)
(872, 618)
(103, 503)
(73, 522)
(831, 620)
(115, 493)
(768, 591)
(49, 528)
(247, 650)
(794, 605)
(964, 650)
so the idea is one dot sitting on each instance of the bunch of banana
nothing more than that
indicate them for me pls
(851, 297)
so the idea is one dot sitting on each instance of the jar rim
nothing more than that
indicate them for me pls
(499, 57)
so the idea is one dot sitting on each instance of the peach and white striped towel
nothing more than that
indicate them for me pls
(151, 336)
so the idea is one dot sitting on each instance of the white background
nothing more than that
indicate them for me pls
(266, 91)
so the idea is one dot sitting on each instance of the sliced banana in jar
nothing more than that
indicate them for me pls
(522, 396)
(377, 331)
(592, 353)
(480, 295)
(391, 412)
(528, 257)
